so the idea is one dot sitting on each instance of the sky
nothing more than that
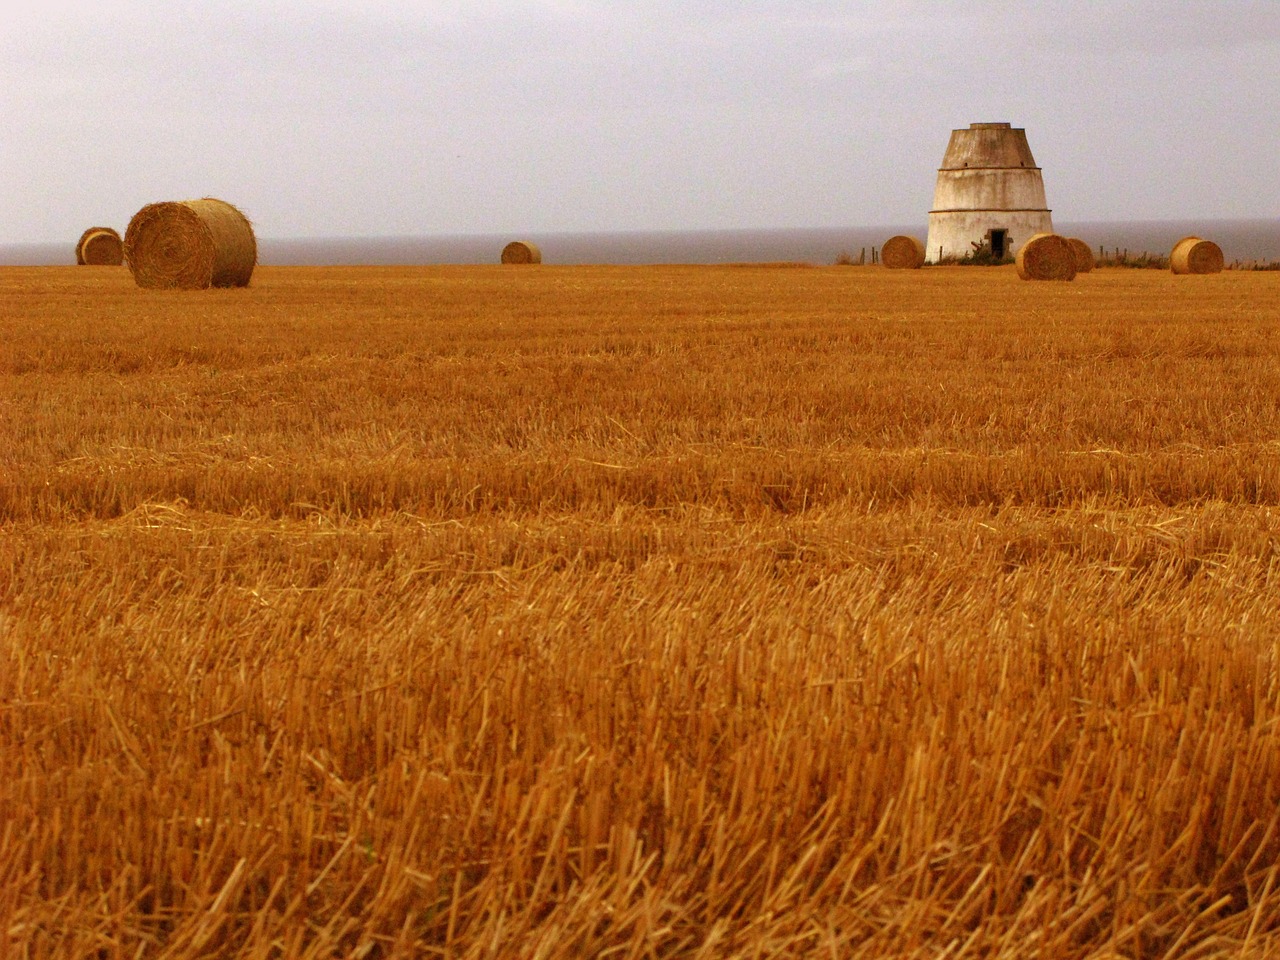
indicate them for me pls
(383, 118)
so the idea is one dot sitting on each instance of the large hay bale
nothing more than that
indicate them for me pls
(1084, 255)
(99, 247)
(1193, 255)
(902, 253)
(191, 244)
(1046, 256)
(521, 251)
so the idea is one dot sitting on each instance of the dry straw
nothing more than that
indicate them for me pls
(1194, 255)
(191, 244)
(902, 253)
(521, 251)
(1084, 255)
(99, 247)
(1046, 256)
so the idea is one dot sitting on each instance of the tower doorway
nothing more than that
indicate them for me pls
(999, 244)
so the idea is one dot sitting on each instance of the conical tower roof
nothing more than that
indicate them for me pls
(988, 146)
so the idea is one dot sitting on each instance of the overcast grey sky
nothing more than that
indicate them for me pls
(376, 117)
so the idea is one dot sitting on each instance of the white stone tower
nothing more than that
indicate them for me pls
(990, 193)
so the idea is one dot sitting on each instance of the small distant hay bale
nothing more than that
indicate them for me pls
(1194, 255)
(191, 245)
(99, 247)
(1046, 256)
(521, 251)
(1084, 255)
(902, 253)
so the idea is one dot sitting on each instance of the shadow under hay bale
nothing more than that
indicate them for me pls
(1046, 256)
(191, 245)
(99, 247)
(1194, 255)
(902, 253)
(1084, 255)
(521, 251)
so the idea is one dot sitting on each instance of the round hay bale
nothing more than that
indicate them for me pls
(902, 253)
(99, 247)
(1084, 255)
(521, 251)
(1046, 256)
(1193, 255)
(191, 245)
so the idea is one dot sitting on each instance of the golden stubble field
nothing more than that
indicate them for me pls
(640, 613)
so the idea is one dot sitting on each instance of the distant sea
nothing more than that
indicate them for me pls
(1239, 239)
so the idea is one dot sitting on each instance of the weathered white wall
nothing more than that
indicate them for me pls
(989, 189)
(953, 232)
